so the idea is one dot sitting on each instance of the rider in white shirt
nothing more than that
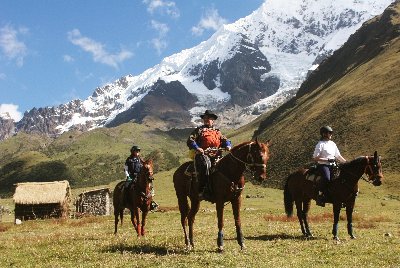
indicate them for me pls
(325, 153)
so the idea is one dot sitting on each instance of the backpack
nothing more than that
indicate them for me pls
(210, 137)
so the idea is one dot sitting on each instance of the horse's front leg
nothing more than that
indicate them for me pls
(349, 216)
(220, 215)
(336, 213)
(135, 220)
(144, 215)
(236, 204)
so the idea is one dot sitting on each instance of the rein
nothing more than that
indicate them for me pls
(363, 177)
(247, 165)
(143, 194)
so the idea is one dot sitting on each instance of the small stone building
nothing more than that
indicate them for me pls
(94, 202)
(41, 200)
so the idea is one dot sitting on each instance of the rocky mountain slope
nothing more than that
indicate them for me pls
(243, 70)
(358, 98)
(355, 91)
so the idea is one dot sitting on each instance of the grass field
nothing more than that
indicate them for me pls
(271, 240)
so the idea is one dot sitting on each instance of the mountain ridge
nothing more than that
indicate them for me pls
(275, 46)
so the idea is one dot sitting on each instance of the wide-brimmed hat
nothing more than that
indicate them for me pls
(209, 114)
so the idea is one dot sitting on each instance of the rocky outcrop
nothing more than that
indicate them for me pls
(7, 127)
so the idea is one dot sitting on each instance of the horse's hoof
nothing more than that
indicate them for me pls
(336, 238)
(352, 237)
(309, 235)
(243, 247)
(220, 249)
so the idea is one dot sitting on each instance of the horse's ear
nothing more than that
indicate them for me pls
(256, 140)
(376, 157)
(148, 161)
(268, 142)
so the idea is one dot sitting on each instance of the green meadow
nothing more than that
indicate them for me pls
(271, 239)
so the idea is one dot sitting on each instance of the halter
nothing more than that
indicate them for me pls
(148, 179)
(249, 156)
(371, 169)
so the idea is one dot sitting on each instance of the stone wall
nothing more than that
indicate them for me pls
(95, 202)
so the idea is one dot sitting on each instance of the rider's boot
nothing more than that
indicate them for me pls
(153, 206)
(321, 199)
(322, 194)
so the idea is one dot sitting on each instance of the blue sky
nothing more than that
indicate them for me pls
(54, 51)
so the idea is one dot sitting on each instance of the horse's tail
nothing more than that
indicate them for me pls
(288, 199)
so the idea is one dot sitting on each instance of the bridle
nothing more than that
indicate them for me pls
(374, 170)
(251, 163)
(149, 179)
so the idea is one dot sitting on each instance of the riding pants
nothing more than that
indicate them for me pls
(202, 165)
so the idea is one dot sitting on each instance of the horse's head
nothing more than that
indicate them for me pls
(146, 173)
(374, 169)
(256, 155)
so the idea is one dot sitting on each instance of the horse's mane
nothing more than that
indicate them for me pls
(356, 160)
(240, 145)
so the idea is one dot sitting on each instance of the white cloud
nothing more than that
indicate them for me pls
(162, 29)
(163, 7)
(12, 47)
(97, 49)
(11, 110)
(3, 76)
(211, 20)
(159, 45)
(68, 58)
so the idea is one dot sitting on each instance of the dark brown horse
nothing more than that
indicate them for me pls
(226, 182)
(139, 199)
(342, 191)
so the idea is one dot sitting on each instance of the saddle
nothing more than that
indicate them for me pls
(314, 175)
(192, 175)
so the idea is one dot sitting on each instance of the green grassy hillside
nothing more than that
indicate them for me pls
(362, 105)
(84, 159)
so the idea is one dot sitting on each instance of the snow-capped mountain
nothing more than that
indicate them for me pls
(243, 70)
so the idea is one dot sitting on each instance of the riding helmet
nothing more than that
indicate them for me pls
(325, 129)
(135, 148)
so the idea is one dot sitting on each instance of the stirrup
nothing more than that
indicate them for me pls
(320, 201)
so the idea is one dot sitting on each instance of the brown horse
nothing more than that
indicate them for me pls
(139, 199)
(342, 191)
(226, 182)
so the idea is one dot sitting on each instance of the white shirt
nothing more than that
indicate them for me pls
(327, 150)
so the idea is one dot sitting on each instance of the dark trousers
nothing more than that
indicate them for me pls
(202, 165)
(326, 177)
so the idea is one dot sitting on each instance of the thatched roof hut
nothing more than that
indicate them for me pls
(42, 200)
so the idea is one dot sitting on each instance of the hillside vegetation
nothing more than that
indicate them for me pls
(356, 92)
(84, 158)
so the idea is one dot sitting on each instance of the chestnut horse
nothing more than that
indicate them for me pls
(342, 191)
(139, 198)
(226, 183)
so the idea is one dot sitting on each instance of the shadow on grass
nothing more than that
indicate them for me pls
(137, 249)
(280, 236)
(143, 249)
(152, 249)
